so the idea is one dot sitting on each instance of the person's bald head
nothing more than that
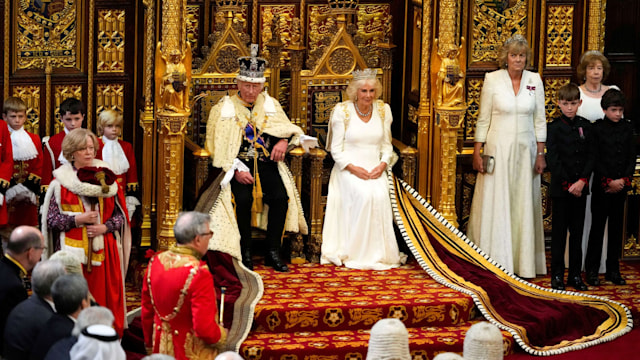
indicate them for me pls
(26, 245)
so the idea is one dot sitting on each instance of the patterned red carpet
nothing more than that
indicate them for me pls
(325, 312)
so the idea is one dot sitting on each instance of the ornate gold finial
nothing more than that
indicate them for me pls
(229, 5)
(343, 6)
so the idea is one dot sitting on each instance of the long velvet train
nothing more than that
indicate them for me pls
(542, 321)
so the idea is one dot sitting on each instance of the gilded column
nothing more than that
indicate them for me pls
(297, 51)
(275, 48)
(424, 110)
(317, 211)
(172, 82)
(595, 31)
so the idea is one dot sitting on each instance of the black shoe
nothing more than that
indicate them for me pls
(246, 260)
(557, 282)
(592, 279)
(576, 282)
(273, 259)
(615, 278)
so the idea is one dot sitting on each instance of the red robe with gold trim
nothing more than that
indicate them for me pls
(51, 149)
(28, 173)
(6, 168)
(192, 331)
(110, 252)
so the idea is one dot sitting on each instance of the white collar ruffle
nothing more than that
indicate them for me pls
(23, 147)
(113, 154)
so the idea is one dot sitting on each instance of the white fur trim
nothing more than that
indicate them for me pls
(23, 146)
(20, 192)
(68, 178)
(269, 105)
(228, 110)
(113, 154)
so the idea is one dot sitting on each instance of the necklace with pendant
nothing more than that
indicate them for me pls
(360, 112)
(593, 91)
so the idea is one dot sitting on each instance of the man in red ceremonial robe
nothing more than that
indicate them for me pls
(72, 115)
(6, 171)
(179, 311)
(24, 191)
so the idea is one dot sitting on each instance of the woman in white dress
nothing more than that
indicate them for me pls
(358, 225)
(506, 212)
(592, 71)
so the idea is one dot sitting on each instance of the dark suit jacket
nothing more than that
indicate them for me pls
(23, 326)
(60, 350)
(12, 291)
(57, 327)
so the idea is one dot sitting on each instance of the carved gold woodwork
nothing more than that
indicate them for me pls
(316, 215)
(173, 80)
(424, 113)
(62, 92)
(474, 88)
(90, 62)
(295, 166)
(111, 41)
(222, 57)
(7, 52)
(193, 25)
(171, 129)
(493, 23)
(551, 86)
(46, 31)
(559, 35)
(596, 21)
(285, 15)
(147, 123)
(109, 96)
(30, 94)
(450, 121)
(174, 26)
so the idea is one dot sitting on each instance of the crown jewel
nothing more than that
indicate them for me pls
(343, 6)
(252, 67)
(229, 5)
(366, 74)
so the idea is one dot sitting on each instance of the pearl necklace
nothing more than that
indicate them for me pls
(360, 112)
(593, 91)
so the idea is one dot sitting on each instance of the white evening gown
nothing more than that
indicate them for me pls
(358, 225)
(506, 211)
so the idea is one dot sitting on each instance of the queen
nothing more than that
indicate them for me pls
(358, 226)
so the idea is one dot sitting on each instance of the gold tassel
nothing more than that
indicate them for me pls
(256, 207)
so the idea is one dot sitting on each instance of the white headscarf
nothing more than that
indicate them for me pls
(97, 342)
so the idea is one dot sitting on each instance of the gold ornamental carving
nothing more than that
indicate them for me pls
(424, 110)
(450, 121)
(560, 21)
(193, 25)
(173, 78)
(47, 30)
(109, 96)
(493, 23)
(284, 15)
(474, 88)
(341, 61)
(111, 41)
(174, 26)
(449, 80)
(30, 94)
(61, 93)
(171, 128)
(596, 20)
(551, 86)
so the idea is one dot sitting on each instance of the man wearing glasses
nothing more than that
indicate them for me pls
(178, 296)
(24, 250)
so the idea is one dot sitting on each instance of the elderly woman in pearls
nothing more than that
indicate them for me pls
(358, 226)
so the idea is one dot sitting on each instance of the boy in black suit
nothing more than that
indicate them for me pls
(570, 160)
(615, 160)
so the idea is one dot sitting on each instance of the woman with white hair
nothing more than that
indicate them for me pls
(358, 226)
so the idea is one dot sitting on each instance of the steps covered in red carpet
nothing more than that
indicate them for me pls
(327, 311)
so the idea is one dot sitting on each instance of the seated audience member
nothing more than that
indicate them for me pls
(72, 265)
(448, 356)
(93, 315)
(178, 296)
(24, 250)
(159, 357)
(70, 296)
(229, 355)
(483, 342)
(97, 342)
(389, 339)
(28, 318)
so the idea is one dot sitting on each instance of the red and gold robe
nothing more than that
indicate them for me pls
(179, 311)
(6, 168)
(110, 252)
(128, 180)
(29, 174)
